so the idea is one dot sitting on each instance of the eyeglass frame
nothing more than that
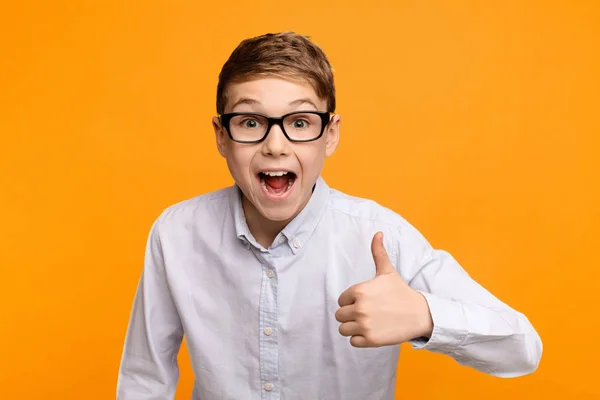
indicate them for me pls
(325, 116)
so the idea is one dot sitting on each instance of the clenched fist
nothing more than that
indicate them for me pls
(384, 310)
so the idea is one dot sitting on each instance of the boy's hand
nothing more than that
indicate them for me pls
(384, 310)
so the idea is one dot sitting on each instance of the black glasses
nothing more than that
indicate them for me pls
(298, 126)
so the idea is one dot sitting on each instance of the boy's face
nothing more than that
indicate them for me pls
(276, 198)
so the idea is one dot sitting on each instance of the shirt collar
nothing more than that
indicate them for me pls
(298, 231)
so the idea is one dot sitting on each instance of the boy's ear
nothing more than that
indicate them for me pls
(220, 135)
(332, 135)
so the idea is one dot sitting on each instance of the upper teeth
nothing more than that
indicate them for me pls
(275, 173)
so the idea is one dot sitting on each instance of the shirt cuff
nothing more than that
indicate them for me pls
(449, 326)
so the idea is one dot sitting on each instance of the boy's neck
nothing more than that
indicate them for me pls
(264, 230)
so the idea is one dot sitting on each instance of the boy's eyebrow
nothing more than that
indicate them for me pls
(302, 101)
(245, 100)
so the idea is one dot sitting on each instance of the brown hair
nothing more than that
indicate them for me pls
(287, 55)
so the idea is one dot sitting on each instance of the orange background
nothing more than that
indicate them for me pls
(477, 121)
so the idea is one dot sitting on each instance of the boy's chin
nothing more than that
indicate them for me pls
(279, 213)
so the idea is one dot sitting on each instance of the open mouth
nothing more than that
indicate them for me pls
(277, 183)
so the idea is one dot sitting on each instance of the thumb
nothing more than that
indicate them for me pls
(383, 265)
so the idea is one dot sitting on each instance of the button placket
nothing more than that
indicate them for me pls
(268, 343)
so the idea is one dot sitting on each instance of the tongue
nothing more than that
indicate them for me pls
(276, 182)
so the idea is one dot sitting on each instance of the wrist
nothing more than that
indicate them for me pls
(425, 318)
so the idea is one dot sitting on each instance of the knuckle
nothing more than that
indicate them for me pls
(371, 338)
(360, 309)
(363, 324)
(360, 291)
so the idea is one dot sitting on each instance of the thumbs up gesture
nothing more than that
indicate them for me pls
(384, 310)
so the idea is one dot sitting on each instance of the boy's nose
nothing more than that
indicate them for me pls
(276, 144)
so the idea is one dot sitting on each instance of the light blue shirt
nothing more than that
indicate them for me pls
(260, 323)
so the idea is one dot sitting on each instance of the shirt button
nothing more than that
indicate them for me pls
(296, 244)
(268, 387)
(281, 239)
(270, 273)
(268, 331)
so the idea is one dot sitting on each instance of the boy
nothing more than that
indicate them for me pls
(286, 288)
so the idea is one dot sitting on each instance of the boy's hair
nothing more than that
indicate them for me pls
(286, 55)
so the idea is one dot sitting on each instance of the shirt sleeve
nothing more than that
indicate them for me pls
(149, 369)
(470, 324)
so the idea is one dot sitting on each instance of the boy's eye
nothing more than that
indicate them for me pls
(250, 123)
(300, 124)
